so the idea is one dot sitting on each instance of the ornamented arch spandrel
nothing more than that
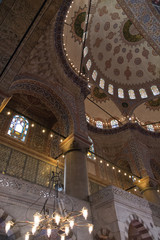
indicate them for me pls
(140, 224)
(60, 106)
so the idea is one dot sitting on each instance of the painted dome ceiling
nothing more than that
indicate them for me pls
(117, 50)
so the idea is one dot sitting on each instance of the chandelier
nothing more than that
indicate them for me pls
(59, 219)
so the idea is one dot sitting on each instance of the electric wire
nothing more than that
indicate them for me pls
(104, 110)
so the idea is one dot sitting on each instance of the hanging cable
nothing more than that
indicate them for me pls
(103, 110)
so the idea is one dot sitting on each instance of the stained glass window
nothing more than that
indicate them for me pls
(85, 51)
(102, 83)
(155, 90)
(18, 127)
(114, 123)
(120, 93)
(150, 127)
(110, 89)
(94, 75)
(131, 94)
(143, 93)
(87, 119)
(89, 154)
(99, 124)
(88, 64)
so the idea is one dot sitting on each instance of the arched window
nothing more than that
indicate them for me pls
(110, 89)
(102, 83)
(94, 75)
(120, 93)
(114, 123)
(89, 154)
(88, 64)
(150, 127)
(131, 94)
(85, 51)
(99, 124)
(143, 93)
(18, 127)
(155, 90)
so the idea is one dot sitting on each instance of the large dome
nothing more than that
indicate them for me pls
(116, 55)
(104, 43)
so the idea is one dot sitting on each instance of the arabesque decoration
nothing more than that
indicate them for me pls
(127, 34)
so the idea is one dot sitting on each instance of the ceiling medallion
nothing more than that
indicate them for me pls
(98, 95)
(77, 25)
(153, 104)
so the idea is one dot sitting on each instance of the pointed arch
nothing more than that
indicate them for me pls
(140, 225)
(57, 103)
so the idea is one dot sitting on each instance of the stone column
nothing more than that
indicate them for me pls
(75, 172)
(148, 189)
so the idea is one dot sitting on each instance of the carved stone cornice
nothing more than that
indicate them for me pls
(25, 192)
(116, 194)
(75, 142)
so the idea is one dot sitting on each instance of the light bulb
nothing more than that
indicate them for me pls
(62, 237)
(57, 218)
(34, 228)
(37, 218)
(8, 226)
(66, 230)
(27, 236)
(71, 223)
(90, 228)
(49, 231)
(85, 212)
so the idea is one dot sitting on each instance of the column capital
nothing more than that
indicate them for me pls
(75, 142)
(146, 183)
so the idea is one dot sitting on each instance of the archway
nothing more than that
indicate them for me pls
(137, 231)
(53, 99)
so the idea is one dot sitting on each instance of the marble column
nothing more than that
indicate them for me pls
(75, 172)
(147, 187)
